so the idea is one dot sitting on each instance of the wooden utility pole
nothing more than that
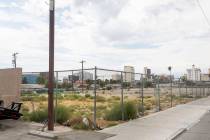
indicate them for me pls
(51, 67)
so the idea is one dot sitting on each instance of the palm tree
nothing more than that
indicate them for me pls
(169, 68)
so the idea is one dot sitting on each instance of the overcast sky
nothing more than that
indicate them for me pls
(107, 34)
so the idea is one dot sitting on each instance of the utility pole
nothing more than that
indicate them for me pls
(82, 62)
(51, 66)
(14, 60)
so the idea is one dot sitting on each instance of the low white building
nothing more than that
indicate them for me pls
(194, 74)
(86, 75)
(116, 77)
(204, 77)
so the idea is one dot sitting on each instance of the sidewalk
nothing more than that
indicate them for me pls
(162, 125)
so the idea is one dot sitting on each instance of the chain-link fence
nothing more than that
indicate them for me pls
(109, 97)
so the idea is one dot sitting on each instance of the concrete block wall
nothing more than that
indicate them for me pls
(10, 85)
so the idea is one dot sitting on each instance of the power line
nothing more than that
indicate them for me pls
(203, 12)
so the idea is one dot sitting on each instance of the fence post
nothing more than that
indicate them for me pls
(142, 94)
(200, 91)
(171, 91)
(158, 89)
(186, 90)
(122, 97)
(56, 98)
(94, 115)
(179, 90)
(72, 80)
(192, 90)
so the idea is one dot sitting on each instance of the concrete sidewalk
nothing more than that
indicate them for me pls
(162, 125)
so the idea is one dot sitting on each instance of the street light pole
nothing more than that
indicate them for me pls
(14, 61)
(51, 67)
(169, 68)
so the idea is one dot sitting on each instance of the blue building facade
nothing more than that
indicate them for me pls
(30, 78)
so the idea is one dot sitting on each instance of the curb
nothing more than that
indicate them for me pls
(43, 134)
(177, 133)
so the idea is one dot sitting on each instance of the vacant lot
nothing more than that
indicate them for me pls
(108, 103)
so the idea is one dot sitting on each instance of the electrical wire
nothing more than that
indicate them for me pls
(203, 12)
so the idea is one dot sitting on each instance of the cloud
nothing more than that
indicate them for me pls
(106, 33)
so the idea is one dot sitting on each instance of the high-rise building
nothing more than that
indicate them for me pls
(129, 75)
(116, 77)
(86, 75)
(194, 74)
(147, 73)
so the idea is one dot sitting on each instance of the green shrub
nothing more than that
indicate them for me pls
(115, 114)
(33, 97)
(26, 98)
(101, 107)
(25, 109)
(62, 114)
(87, 95)
(115, 97)
(60, 96)
(38, 115)
(80, 126)
(73, 97)
(26, 116)
(100, 99)
(130, 110)
(25, 112)
(147, 105)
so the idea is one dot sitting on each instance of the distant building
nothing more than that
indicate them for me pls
(80, 84)
(86, 75)
(73, 77)
(166, 78)
(147, 73)
(209, 72)
(129, 75)
(65, 80)
(116, 77)
(30, 78)
(194, 74)
(204, 77)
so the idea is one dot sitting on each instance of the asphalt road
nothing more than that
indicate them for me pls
(200, 131)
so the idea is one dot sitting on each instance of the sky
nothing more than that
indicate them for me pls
(106, 34)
